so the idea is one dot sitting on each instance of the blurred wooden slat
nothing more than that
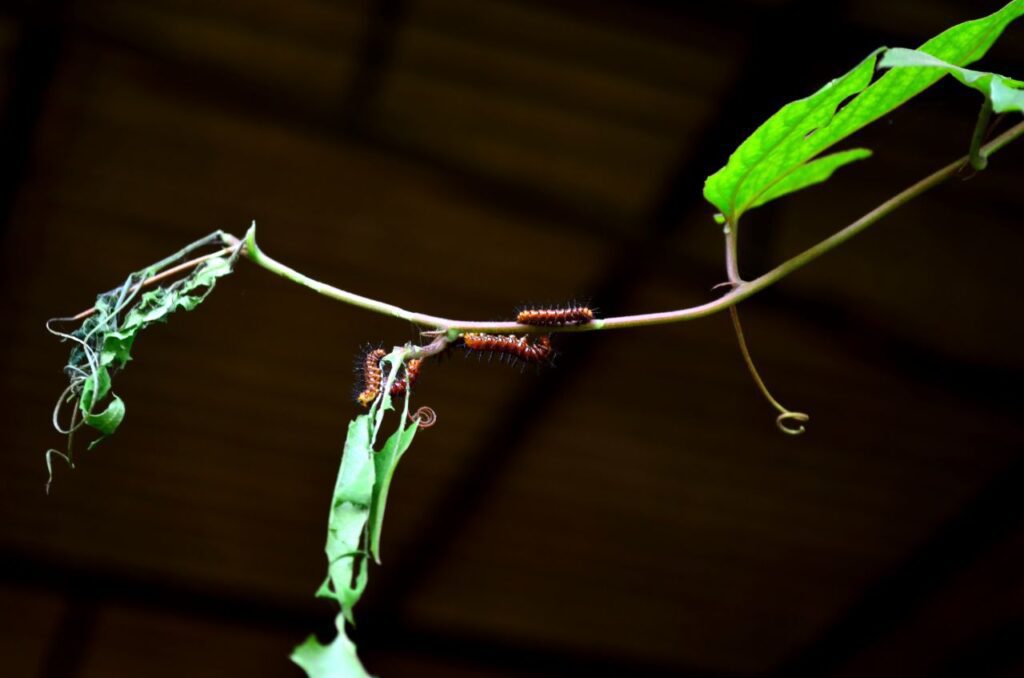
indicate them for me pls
(307, 51)
(462, 87)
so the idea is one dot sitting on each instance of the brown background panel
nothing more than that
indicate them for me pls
(132, 642)
(631, 511)
(29, 619)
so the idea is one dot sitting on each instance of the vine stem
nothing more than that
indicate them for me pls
(738, 293)
(979, 159)
(785, 420)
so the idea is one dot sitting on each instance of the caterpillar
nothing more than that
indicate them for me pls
(373, 377)
(412, 372)
(519, 348)
(555, 317)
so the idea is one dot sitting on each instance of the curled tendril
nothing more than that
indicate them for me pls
(786, 416)
(50, 454)
(67, 396)
(424, 417)
(784, 419)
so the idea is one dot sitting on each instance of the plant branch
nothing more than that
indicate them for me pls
(738, 293)
(258, 257)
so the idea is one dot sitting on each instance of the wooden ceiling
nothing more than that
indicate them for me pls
(632, 511)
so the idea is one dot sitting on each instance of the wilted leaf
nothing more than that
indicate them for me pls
(107, 421)
(104, 340)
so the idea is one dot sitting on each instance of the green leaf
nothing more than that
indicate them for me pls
(781, 145)
(335, 660)
(107, 421)
(157, 304)
(813, 172)
(210, 271)
(94, 389)
(385, 462)
(117, 348)
(354, 527)
(346, 523)
(104, 342)
(1006, 94)
(762, 166)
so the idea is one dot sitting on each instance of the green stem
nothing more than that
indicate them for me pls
(732, 268)
(257, 256)
(738, 293)
(979, 159)
(732, 261)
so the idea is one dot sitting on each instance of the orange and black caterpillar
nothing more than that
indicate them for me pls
(372, 376)
(555, 317)
(516, 348)
(412, 373)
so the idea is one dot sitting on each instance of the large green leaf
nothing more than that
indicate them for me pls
(1006, 94)
(810, 173)
(764, 165)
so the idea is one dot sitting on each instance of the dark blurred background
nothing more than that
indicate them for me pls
(632, 511)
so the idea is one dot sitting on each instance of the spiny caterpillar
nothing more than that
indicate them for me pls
(412, 373)
(519, 348)
(372, 377)
(555, 317)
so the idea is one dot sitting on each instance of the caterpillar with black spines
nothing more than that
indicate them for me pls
(566, 316)
(537, 352)
(371, 377)
(412, 373)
